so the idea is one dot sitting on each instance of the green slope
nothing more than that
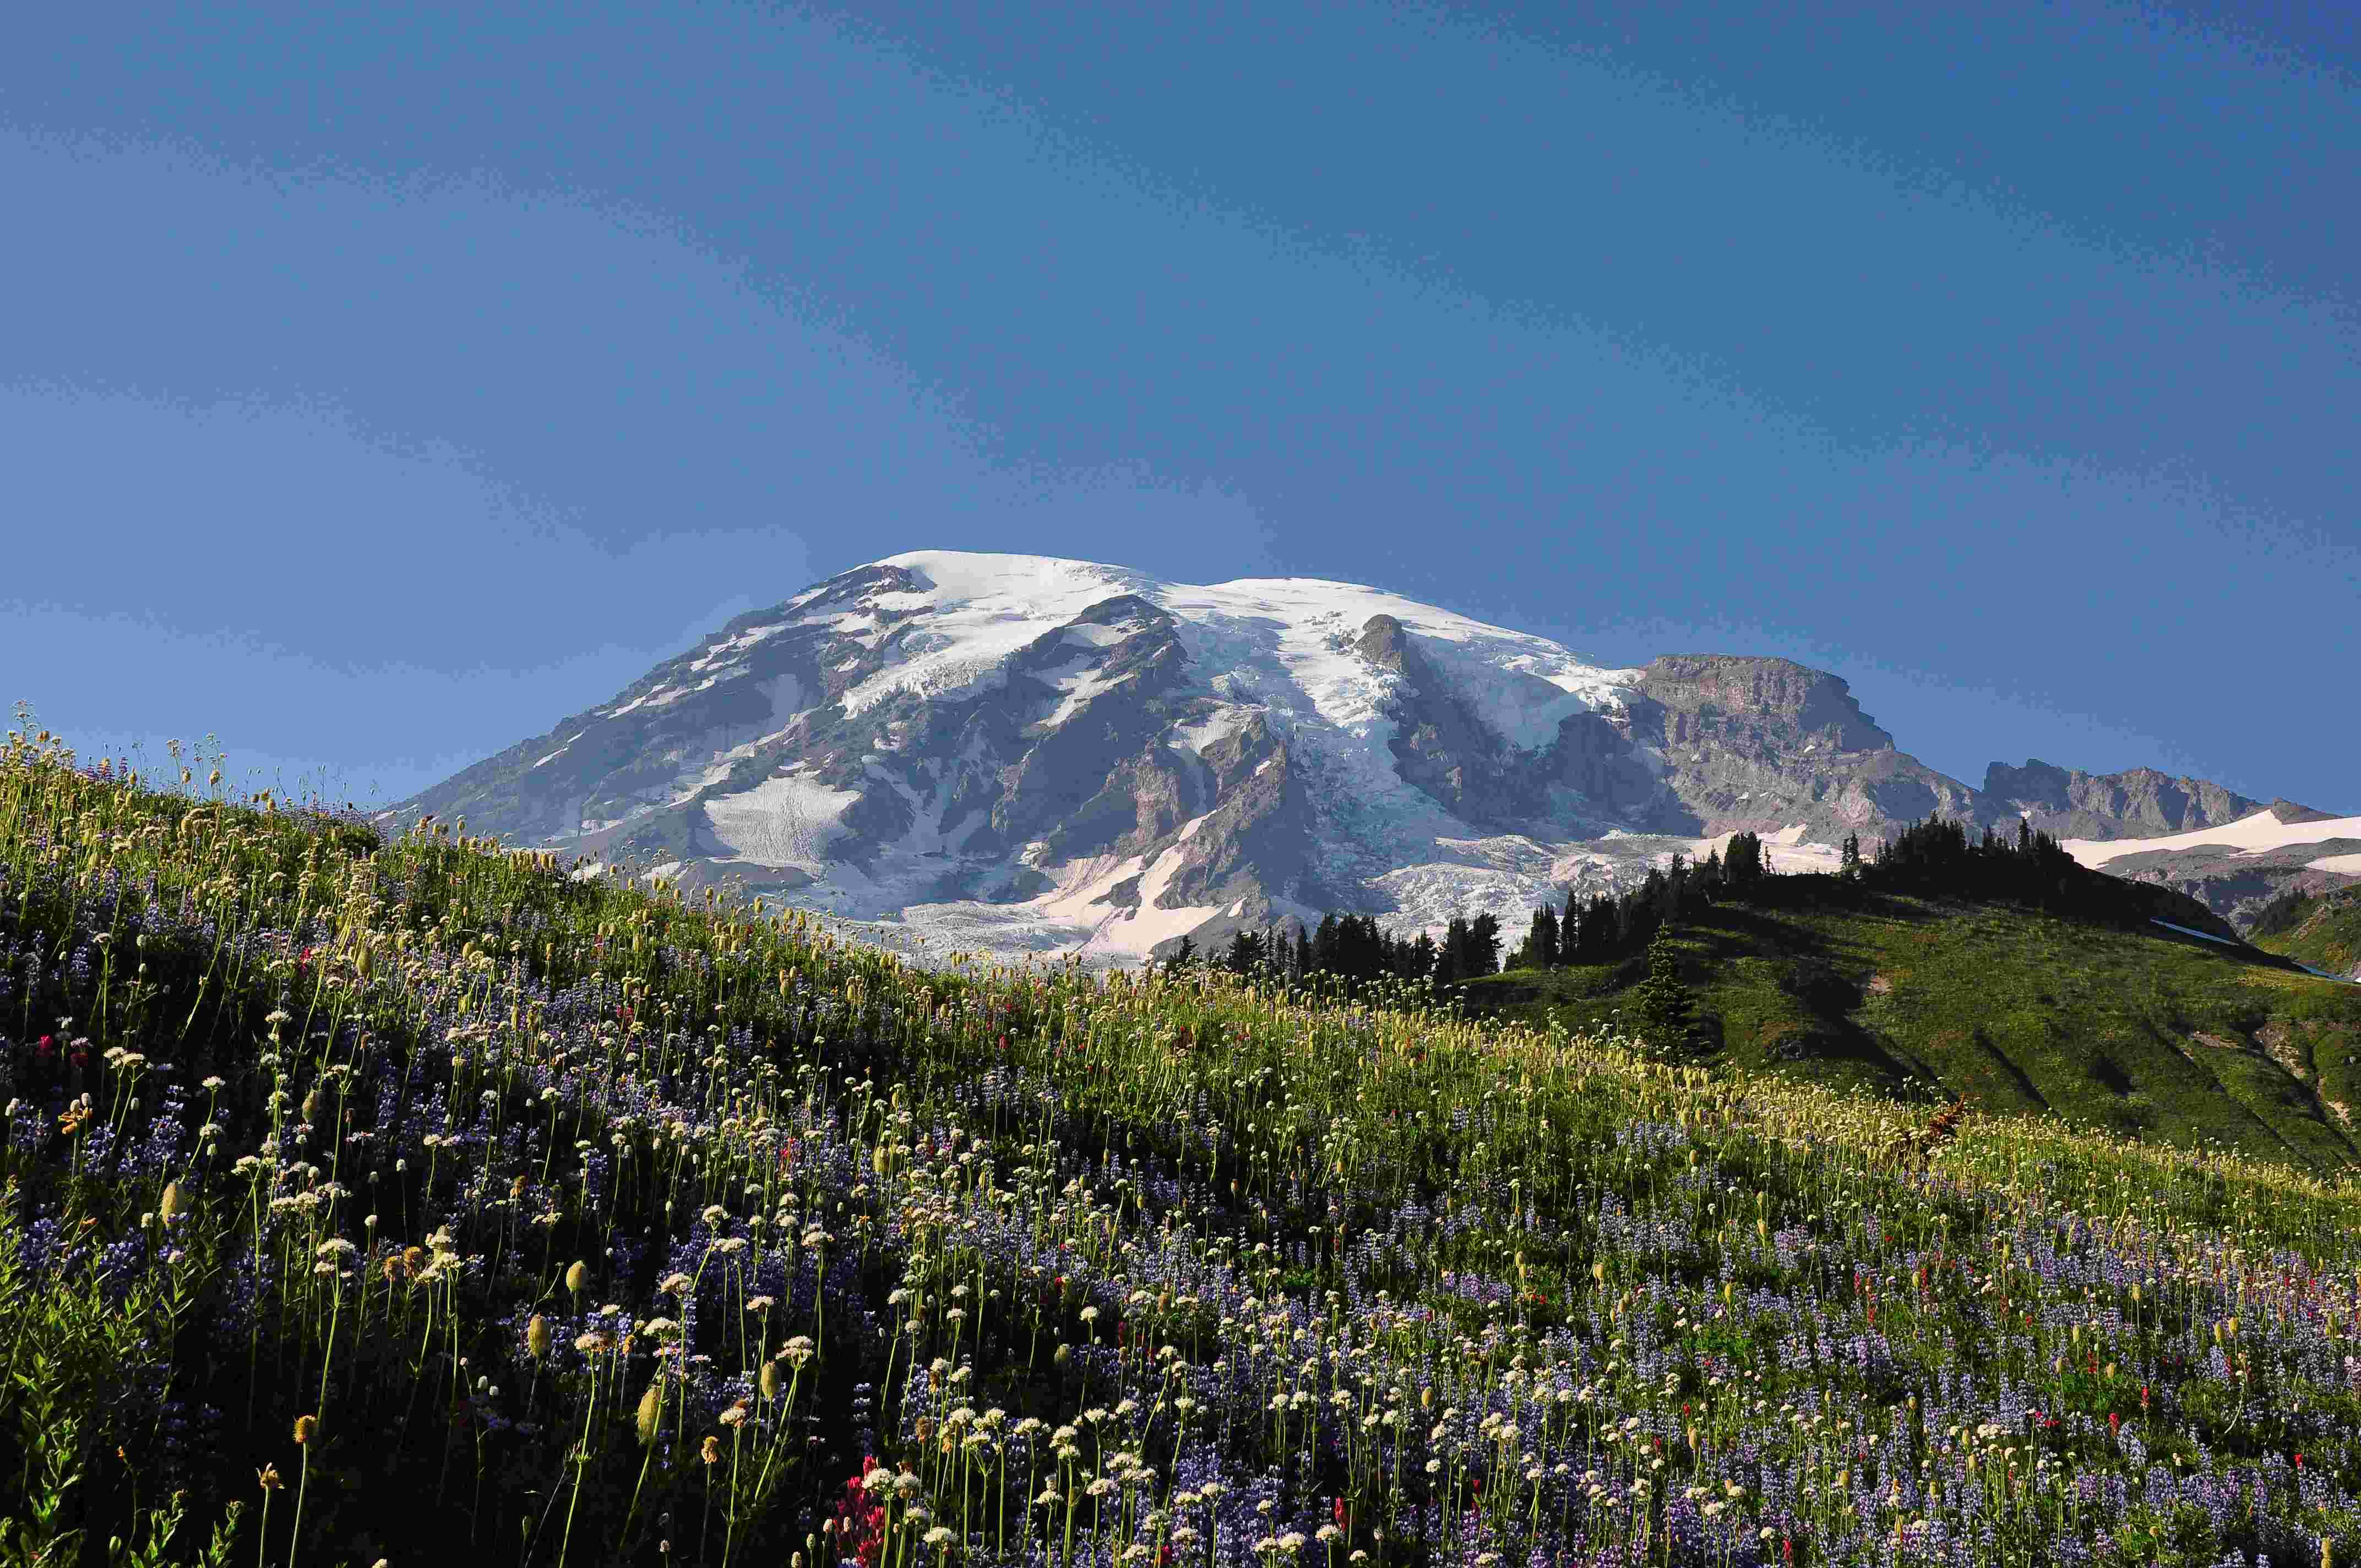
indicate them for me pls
(2323, 930)
(2149, 1035)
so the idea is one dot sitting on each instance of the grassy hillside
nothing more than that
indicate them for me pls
(2323, 930)
(2145, 1035)
(409, 1198)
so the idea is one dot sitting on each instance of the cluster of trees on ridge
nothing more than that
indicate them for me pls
(1355, 947)
(1936, 858)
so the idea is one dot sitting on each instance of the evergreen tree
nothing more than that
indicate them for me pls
(1667, 1010)
(1602, 929)
(1184, 955)
(1745, 867)
(1540, 950)
(1324, 951)
(1363, 948)
(1421, 959)
(1451, 961)
(1483, 945)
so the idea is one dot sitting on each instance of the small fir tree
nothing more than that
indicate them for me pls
(1483, 945)
(1540, 950)
(1667, 1010)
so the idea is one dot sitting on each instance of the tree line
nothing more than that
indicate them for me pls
(1935, 857)
(1354, 948)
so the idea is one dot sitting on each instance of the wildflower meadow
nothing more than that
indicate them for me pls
(379, 1196)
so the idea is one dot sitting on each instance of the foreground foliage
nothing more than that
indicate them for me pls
(380, 1198)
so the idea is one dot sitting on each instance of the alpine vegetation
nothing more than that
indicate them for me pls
(375, 1192)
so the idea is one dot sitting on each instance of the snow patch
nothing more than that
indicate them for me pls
(561, 751)
(787, 821)
(1125, 933)
(721, 650)
(2253, 835)
(1210, 732)
(2201, 936)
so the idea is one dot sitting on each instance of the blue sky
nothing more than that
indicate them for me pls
(382, 385)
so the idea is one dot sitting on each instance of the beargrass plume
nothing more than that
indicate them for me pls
(382, 1198)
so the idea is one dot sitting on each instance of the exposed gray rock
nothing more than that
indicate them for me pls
(1439, 742)
(1764, 744)
(2139, 804)
(1717, 695)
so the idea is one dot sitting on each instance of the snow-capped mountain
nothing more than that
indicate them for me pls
(1015, 753)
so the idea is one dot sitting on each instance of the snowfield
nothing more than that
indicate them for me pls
(2253, 835)
(781, 822)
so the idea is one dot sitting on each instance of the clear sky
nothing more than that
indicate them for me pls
(381, 384)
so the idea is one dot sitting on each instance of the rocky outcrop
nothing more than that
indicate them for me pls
(1766, 745)
(2139, 803)
(1726, 698)
(1440, 743)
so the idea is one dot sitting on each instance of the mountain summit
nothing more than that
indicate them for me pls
(1017, 754)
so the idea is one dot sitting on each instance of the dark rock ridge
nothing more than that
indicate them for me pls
(1027, 755)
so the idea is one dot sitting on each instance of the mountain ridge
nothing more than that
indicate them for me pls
(1027, 754)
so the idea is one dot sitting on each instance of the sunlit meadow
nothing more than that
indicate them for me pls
(382, 1197)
